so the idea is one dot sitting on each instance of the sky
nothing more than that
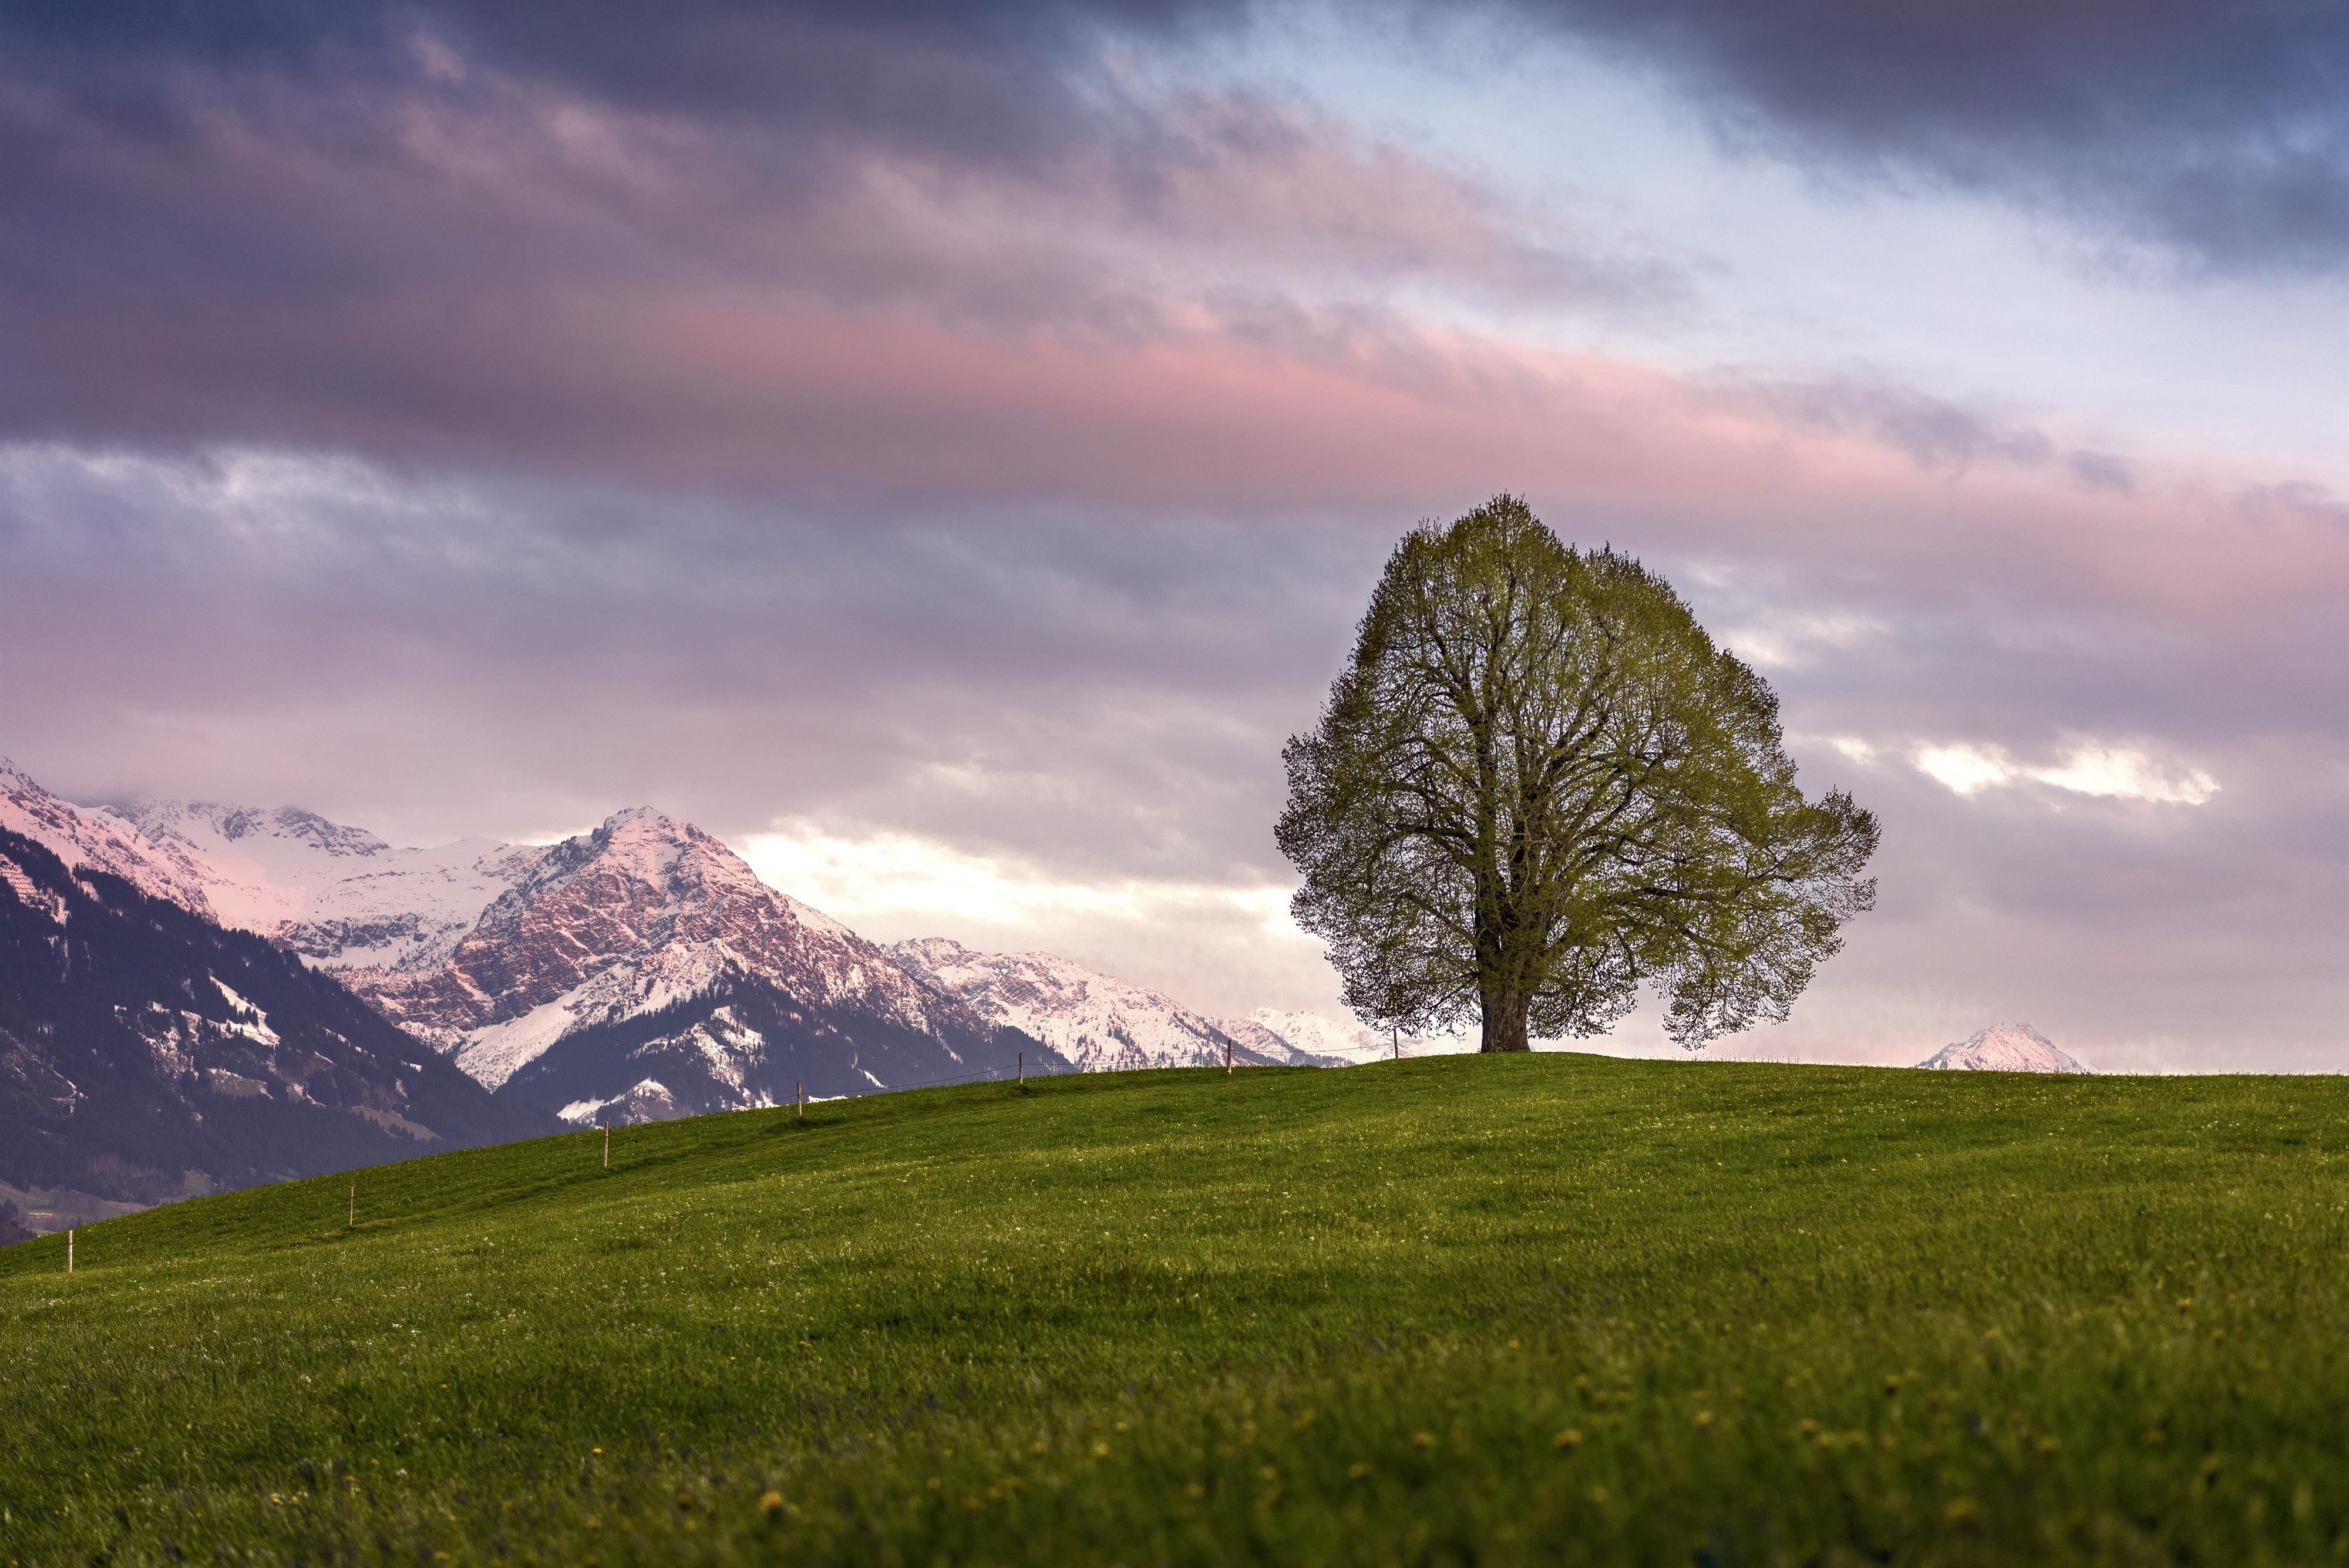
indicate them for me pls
(943, 450)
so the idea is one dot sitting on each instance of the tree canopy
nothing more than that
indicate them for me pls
(1538, 784)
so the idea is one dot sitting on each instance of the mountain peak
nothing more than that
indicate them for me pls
(99, 839)
(645, 818)
(641, 915)
(2005, 1048)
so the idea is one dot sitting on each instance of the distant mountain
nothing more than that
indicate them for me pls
(338, 896)
(1312, 1034)
(645, 966)
(2005, 1048)
(81, 838)
(1099, 1023)
(146, 1052)
(642, 970)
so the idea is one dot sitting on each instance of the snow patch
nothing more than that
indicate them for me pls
(258, 1031)
(493, 1054)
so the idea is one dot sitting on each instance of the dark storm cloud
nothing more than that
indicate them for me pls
(980, 80)
(456, 234)
(2216, 133)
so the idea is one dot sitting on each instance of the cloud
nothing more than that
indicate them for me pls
(946, 450)
(2130, 775)
(2119, 772)
(1966, 770)
(1938, 434)
(2218, 136)
(1790, 640)
(990, 82)
(468, 231)
(884, 879)
(1170, 932)
(1036, 637)
(1941, 435)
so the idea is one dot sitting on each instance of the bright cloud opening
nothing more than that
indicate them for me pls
(2112, 771)
(1965, 770)
(2096, 770)
(897, 873)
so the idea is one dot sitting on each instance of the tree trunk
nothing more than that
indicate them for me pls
(1504, 1021)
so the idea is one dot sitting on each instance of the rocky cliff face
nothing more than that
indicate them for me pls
(2005, 1048)
(1099, 1023)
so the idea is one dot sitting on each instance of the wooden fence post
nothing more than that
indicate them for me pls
(1228, 1056)
(607, 1145)
(69, 1249)
(1023, 1069)
(799, 1088)
(351, 1214)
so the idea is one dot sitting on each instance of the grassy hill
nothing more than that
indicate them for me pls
(1452, 1311)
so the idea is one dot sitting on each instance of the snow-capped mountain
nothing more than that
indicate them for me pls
(1312, 1034)
(79, 837)
(340, 897)
(1099, 1023)
(644, 971)
(639, 970)
(646, 959)
(2005, 1048)
(146, 1052)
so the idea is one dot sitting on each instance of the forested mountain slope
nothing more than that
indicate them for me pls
(147, 1053)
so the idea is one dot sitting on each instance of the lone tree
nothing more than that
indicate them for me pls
(1539, 784)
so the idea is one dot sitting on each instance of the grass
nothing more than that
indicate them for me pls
(1490, 1311)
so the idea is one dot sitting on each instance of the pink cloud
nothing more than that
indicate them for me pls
(733, 393)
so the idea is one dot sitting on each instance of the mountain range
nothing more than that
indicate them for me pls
(641, 971)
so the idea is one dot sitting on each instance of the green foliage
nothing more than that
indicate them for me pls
(1516, 1309)
(1538, 786)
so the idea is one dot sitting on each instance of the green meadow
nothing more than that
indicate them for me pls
(1557, 1308)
